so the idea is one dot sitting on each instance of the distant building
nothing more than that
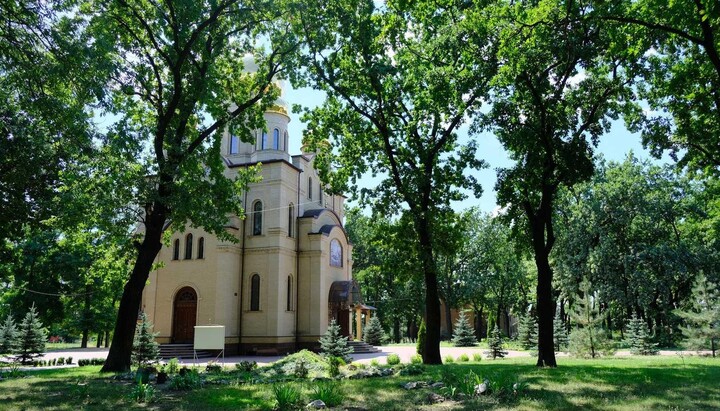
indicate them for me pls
(290, 271)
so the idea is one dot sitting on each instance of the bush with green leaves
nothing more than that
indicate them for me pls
(638, 337)
(334, 364)
(332, 344)
(329, 392)
(143, 393)
(448, 359)
(422, 332)
(373, 334)
(496, 344)
(393, 359)
(174, 365)
(145, 348)
(416, 359)
(287, 396)
(463, 358)
(477, 357)
(8, 336)
(31, 337)
(186, 380)
(413, 369)
(463, 332)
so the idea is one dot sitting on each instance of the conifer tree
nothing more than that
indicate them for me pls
(639, 338)
(421, 338)
(588, 339)
(31, 337)
(464, 334)
(145, 348)
(560, 333)
(332, 345)
(495, 344)
(528, 332)
(703, 317)
(8, 336)
(373, 333)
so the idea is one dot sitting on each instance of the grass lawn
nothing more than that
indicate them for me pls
(631, 383)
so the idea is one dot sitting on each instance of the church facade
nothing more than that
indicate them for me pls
(289, 272)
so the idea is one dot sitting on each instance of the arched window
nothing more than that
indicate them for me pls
(255, 293)
(310, 188)
(321, 196)
(264, 141)
(188, 246)
(336, 253)
(289, 293)
(257, 218)
(291, 220)
(176, 249)
(201, 248)
(234, 144)
(285, 141)
(276, 139)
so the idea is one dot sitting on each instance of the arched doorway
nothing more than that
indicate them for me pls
(184, 316)
(343, 295)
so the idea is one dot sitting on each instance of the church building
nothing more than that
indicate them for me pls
(289, 273)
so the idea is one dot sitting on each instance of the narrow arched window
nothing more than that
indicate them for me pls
(289, 293)
(321, 196)
(201, 248)
(234, 144)
(255, 293)
(336, 253)
(285, 141)
(257, 218)
(188, 246)
(291, 220)
(310, 188)
(276, 139)
(176, 249)
(264, 142)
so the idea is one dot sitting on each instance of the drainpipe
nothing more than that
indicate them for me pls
(297, 261)
(242, 273)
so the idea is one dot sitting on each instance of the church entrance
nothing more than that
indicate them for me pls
(184, 316)
(343, 296)
(343, 319)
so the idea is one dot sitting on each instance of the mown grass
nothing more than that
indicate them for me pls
(632, 383)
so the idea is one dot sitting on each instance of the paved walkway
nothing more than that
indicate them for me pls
(405, 353)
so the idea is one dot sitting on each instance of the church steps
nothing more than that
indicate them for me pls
(168, 351)
(361, 347)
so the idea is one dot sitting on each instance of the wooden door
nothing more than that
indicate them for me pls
(344, 322)
(184, 316)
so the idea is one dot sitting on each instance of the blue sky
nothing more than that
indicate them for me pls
(614, 146)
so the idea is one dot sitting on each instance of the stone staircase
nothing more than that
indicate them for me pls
(168, 351)
(361, 347)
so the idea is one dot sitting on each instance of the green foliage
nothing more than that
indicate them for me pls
(463, 358)
(528, 332)
(463, 332)
(416, 368)
(174, 365)
(145, 348)
(560, 335)
(638, 337)
(448, 359)
(333, 345)
(416, 359)
(477, 357)
(703, 316)
(393, 359)
(143, 393)
(186, 380)
(373, 334)
(496, 344)
(588, 340)
(31, 337)
(421, 338)
(8, 336)
(329, 392)
(334, 364)
(287, 396)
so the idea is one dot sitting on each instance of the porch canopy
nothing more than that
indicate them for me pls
(346, 295)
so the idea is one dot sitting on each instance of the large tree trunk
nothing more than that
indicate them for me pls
(396, 329)
(448, 319)
(543, 239)
(431, 350)
(118, 359)
(84, 341)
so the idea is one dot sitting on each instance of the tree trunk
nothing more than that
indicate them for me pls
(84, 341)
(107, 339)
(99, 340)
(448, 319)
(539, 223)
(118, 359)
(431, 350)
(396, 330)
